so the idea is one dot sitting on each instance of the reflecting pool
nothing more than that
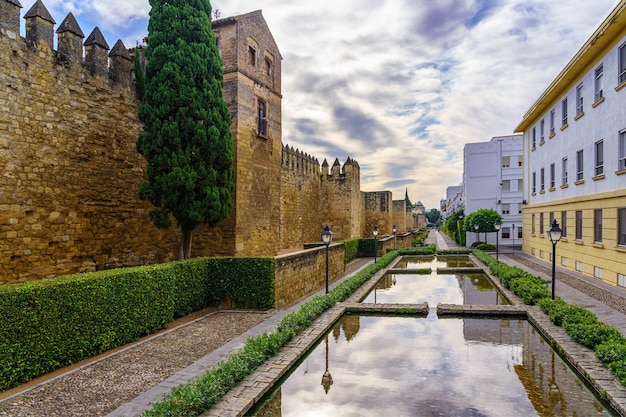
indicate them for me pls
(434, 262)
(426, 367)
(435, 288)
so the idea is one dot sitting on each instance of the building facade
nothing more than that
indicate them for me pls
(453, 201)
(493, 179)
(574, 139)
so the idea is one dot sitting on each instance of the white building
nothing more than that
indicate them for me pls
(493, 179)
(575, 147)
(453, 201)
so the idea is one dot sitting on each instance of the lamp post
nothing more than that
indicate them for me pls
(375, 242)
(327, 379)
(513, 237)
(554, 234)
(497, 226)
(476, 227)
(327, 236)
(394, 236)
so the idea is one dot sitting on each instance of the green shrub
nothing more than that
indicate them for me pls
(423, 250)
(454, 251)
(246, 282)
(485, 246)
(529, 289)
(56, 322)
(611, 351)
(619, 370)
(351, 249)
(475, 244)
(591, 333)
(366, 248)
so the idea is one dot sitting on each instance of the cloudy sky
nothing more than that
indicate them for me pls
(398, 85)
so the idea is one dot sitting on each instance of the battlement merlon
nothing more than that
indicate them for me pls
(299, 161)
(39, 25)
(117, 65)
(10, 15)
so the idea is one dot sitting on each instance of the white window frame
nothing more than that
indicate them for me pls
(621, 161)
(579, 99)
(564, 171)
(580, 159)
(598, 75)
(622, 63)
(564, 111)
(599, 157)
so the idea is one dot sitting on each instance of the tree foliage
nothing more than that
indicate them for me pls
(451, 227)
(186, 137)
(484, 218)
(433, 216)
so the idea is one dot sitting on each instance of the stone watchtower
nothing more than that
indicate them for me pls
(252, 91)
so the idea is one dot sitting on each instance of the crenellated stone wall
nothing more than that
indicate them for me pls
(70, 169)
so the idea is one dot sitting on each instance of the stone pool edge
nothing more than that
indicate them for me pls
(244, 397)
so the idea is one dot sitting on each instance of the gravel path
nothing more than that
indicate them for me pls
(100, 387)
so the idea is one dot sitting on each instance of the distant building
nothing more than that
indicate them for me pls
(453, 201)
(493, 179)
(575, 168)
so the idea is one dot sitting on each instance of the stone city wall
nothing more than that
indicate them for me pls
(301, 273)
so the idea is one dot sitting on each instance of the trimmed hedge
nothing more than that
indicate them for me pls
(366, 248)
(421, 250)
(351, 248)
(56, 322)
(196, 397)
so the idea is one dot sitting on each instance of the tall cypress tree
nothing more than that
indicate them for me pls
(186, 137)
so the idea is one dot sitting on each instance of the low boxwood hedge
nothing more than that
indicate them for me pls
(351, 247)
(56, 322)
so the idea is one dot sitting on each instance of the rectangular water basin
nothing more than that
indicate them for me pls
(433, 288)
(407, 366)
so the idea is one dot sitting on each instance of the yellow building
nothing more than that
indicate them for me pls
(574, 139)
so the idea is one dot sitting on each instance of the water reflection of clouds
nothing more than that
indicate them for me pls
(429, 356)
(415, 288)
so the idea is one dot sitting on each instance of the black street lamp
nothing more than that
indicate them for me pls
(497, 226)
(327, 237)
(554, 234)
(375, 242)
(394, 236)
(513, 237)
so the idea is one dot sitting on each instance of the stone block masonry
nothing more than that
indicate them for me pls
(70, 169)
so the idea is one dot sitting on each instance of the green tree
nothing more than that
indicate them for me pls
(451, 226)
(433, 216)
(484, 218)
(186, 137)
